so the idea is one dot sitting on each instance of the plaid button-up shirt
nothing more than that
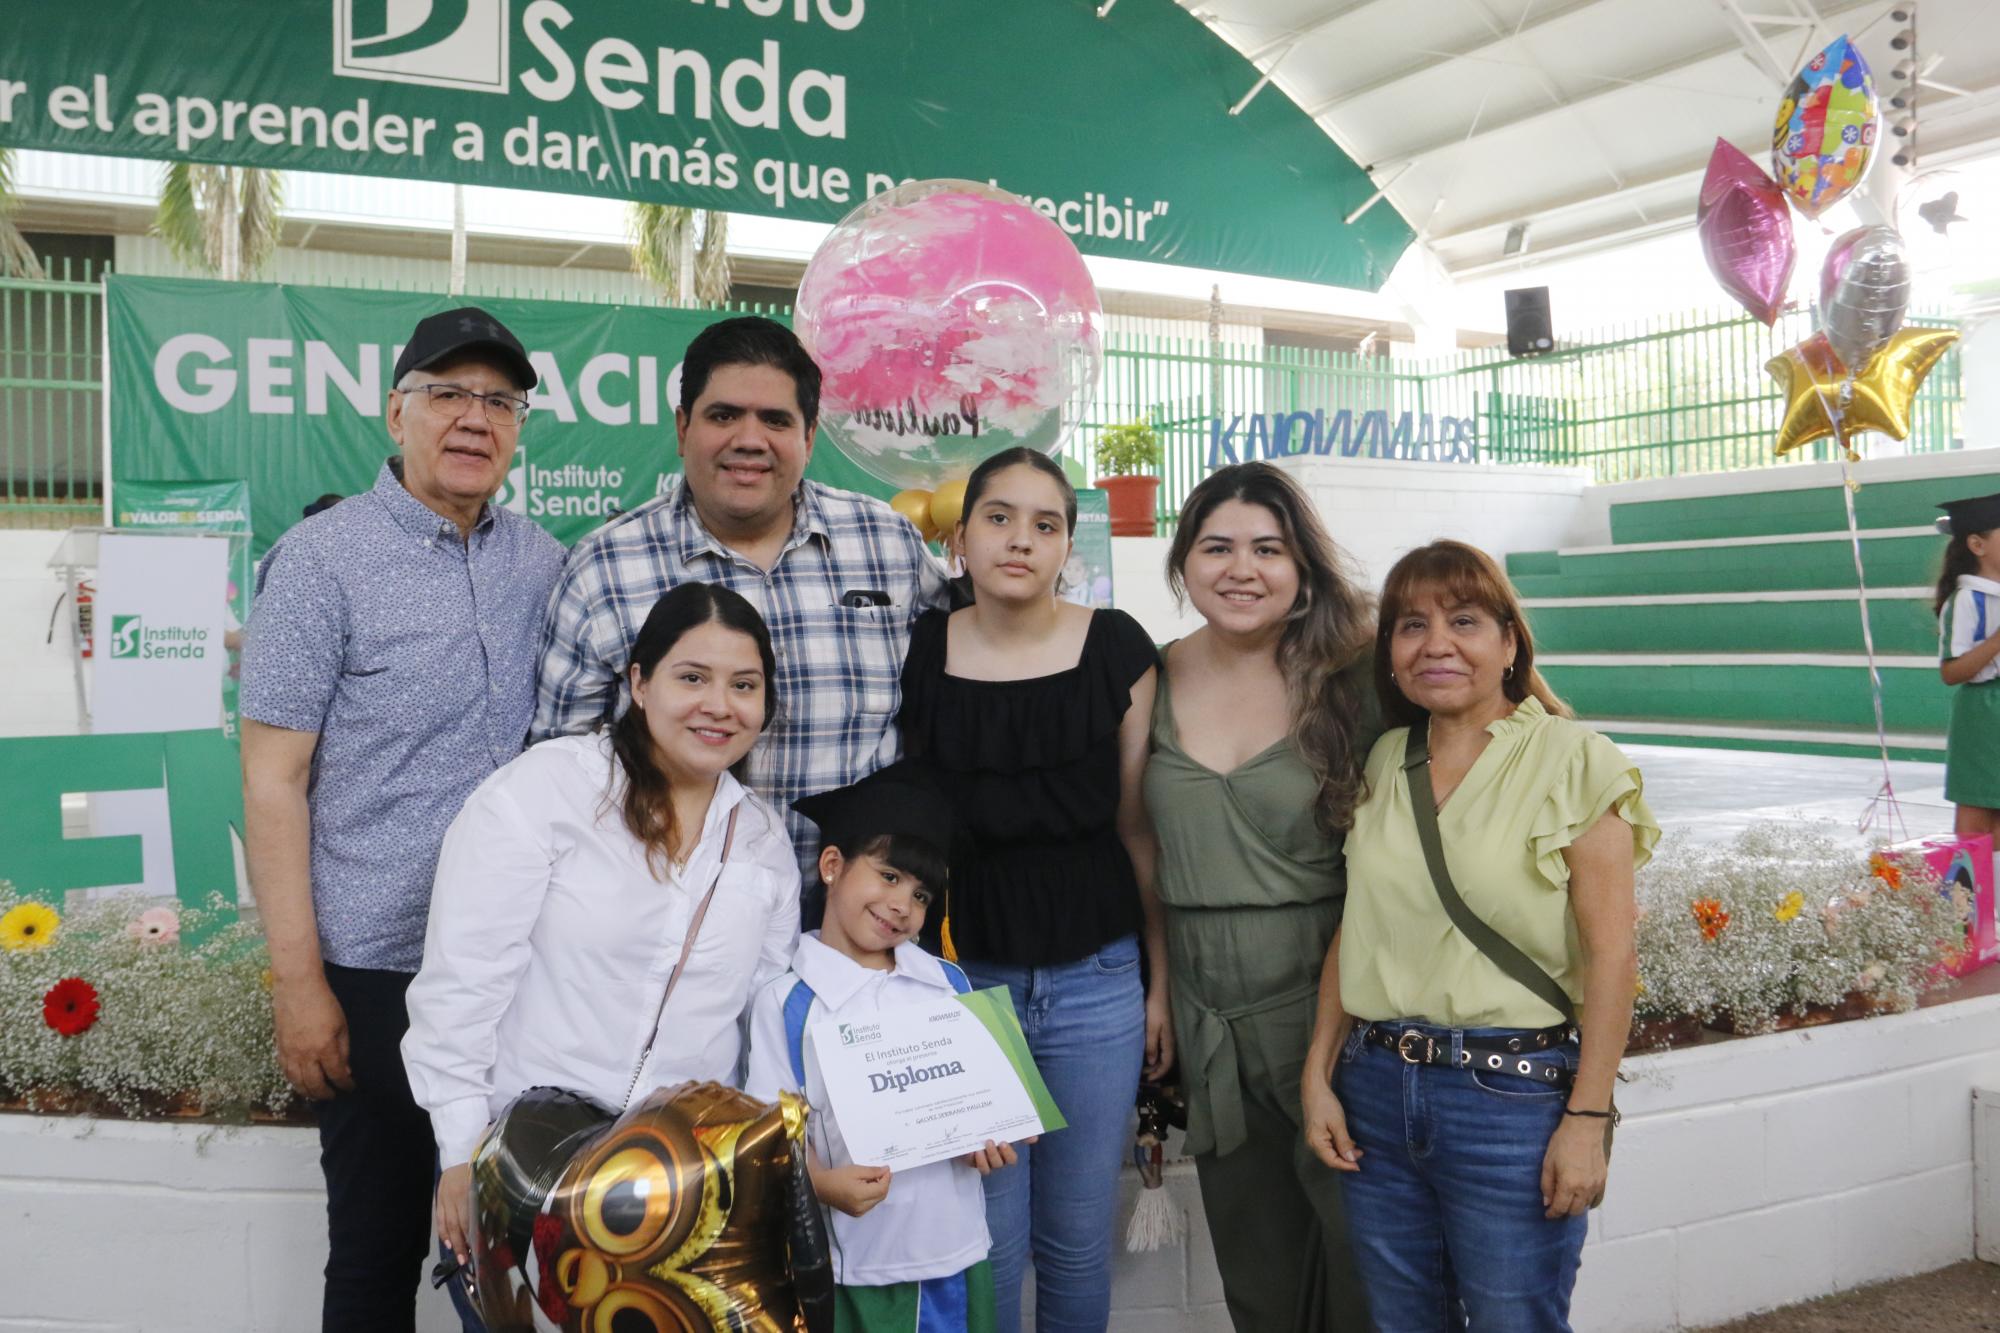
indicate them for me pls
(839, 667)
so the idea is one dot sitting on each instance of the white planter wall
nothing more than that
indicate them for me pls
(1757, 1173)
(1747, 1175)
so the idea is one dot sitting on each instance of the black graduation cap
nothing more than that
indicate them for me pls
(904, 799)
(1981, 514)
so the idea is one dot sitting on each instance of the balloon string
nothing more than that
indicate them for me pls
(1883, 804)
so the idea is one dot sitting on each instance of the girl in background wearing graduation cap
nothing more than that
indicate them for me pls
(909, 1253)
(1033, 713)
(1968, 607)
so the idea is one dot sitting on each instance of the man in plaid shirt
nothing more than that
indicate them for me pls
(839, 577)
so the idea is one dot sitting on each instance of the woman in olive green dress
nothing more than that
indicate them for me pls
(1260, 728)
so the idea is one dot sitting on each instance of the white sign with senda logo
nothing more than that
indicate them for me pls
(165, 600)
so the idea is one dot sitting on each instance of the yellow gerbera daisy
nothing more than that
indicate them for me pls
(1790, 905)
(28, 926)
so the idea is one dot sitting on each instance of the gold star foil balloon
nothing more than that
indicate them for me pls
(1818, 390)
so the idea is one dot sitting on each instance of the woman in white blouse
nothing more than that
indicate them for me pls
(569, 886)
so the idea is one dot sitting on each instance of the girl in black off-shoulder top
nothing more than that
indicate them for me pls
(1034, 713)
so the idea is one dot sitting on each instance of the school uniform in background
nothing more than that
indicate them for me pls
(917, 1260)
(1972, 743)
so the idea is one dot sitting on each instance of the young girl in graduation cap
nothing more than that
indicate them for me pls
(1968, 607)
(909, 1254)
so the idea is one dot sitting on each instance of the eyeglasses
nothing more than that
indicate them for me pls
(502, 409)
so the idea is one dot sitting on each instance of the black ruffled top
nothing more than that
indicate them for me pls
(1032, 769)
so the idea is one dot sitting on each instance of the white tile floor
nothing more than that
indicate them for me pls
(1711, 795)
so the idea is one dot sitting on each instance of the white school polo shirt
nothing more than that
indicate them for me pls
(933, 1221)
(1972, 614)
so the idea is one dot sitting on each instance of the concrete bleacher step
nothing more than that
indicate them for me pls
(1725, 610)
(1892, 557)
(1755, 694)
(1850, 742)
(1819, 508)
(1812, 620)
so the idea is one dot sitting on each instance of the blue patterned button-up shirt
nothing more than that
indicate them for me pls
(839, 667)
(412, 654)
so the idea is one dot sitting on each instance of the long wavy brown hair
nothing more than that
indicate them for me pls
(1326, 630)
(1459, 575)
(646, 803)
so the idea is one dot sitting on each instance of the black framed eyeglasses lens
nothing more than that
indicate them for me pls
(502, 409)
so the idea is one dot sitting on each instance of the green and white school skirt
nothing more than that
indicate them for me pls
(1972, 747)
(961, 1303)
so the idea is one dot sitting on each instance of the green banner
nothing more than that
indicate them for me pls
(201, 506)
(1118, 128)
(284, 387)
(1086, 579)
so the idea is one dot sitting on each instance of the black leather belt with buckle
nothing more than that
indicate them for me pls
(1511, 1054)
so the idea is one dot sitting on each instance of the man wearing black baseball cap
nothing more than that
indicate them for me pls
(388, 668)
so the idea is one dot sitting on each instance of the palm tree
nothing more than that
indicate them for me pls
(17, 258)
(666, 248)
(224, 220)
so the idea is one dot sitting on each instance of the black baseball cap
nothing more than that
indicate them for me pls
(902, 800)
(466, 329)
(1979, 514)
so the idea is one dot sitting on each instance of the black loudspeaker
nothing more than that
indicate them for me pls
(1528, 329)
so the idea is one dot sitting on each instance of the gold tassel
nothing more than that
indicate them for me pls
(949, 949)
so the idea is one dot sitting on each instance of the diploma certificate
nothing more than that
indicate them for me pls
(925, 1082)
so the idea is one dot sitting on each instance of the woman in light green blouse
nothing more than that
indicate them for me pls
(1451, 1088)
(1260, 724)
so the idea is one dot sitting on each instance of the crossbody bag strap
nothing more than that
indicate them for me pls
(1497, 948)
(687, 947)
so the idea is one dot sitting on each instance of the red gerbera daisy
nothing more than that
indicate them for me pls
(70, 1006)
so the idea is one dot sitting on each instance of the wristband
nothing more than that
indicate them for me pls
(1594, 1115)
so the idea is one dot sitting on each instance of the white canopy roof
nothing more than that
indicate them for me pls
(1589, 121)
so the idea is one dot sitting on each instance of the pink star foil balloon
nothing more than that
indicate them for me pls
(951, 321)
(1746, 232)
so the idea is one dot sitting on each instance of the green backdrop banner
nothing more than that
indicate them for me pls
(1116, 128)
(284, 387)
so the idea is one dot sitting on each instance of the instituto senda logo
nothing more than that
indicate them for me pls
(437, 43)
(131, 639)
(125, 635)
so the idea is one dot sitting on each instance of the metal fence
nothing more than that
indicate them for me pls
(51, 373)
(1675, 395)
(1680, 394)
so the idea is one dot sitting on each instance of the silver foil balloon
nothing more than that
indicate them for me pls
(1864, 292)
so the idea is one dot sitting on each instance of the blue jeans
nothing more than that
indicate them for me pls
(1446, 1210)
(1086, 1028)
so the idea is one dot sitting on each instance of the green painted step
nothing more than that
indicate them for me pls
(1822, 624)
(1891, 558)
(1792, 741)
(1880, 504)
(1773, 691)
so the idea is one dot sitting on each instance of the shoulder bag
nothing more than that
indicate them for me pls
(1499, 950)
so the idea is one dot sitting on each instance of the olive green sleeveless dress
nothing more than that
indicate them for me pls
(1253, 893)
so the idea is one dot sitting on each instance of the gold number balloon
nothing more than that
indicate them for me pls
(673, 1218)
(1817, 387)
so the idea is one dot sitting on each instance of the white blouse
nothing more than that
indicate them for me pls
(550, 943)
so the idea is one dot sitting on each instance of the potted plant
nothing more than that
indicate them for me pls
(1125, 452)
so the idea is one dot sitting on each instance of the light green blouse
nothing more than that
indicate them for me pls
(1538, 785)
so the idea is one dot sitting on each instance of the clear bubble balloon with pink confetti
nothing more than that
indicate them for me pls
(951, 321)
